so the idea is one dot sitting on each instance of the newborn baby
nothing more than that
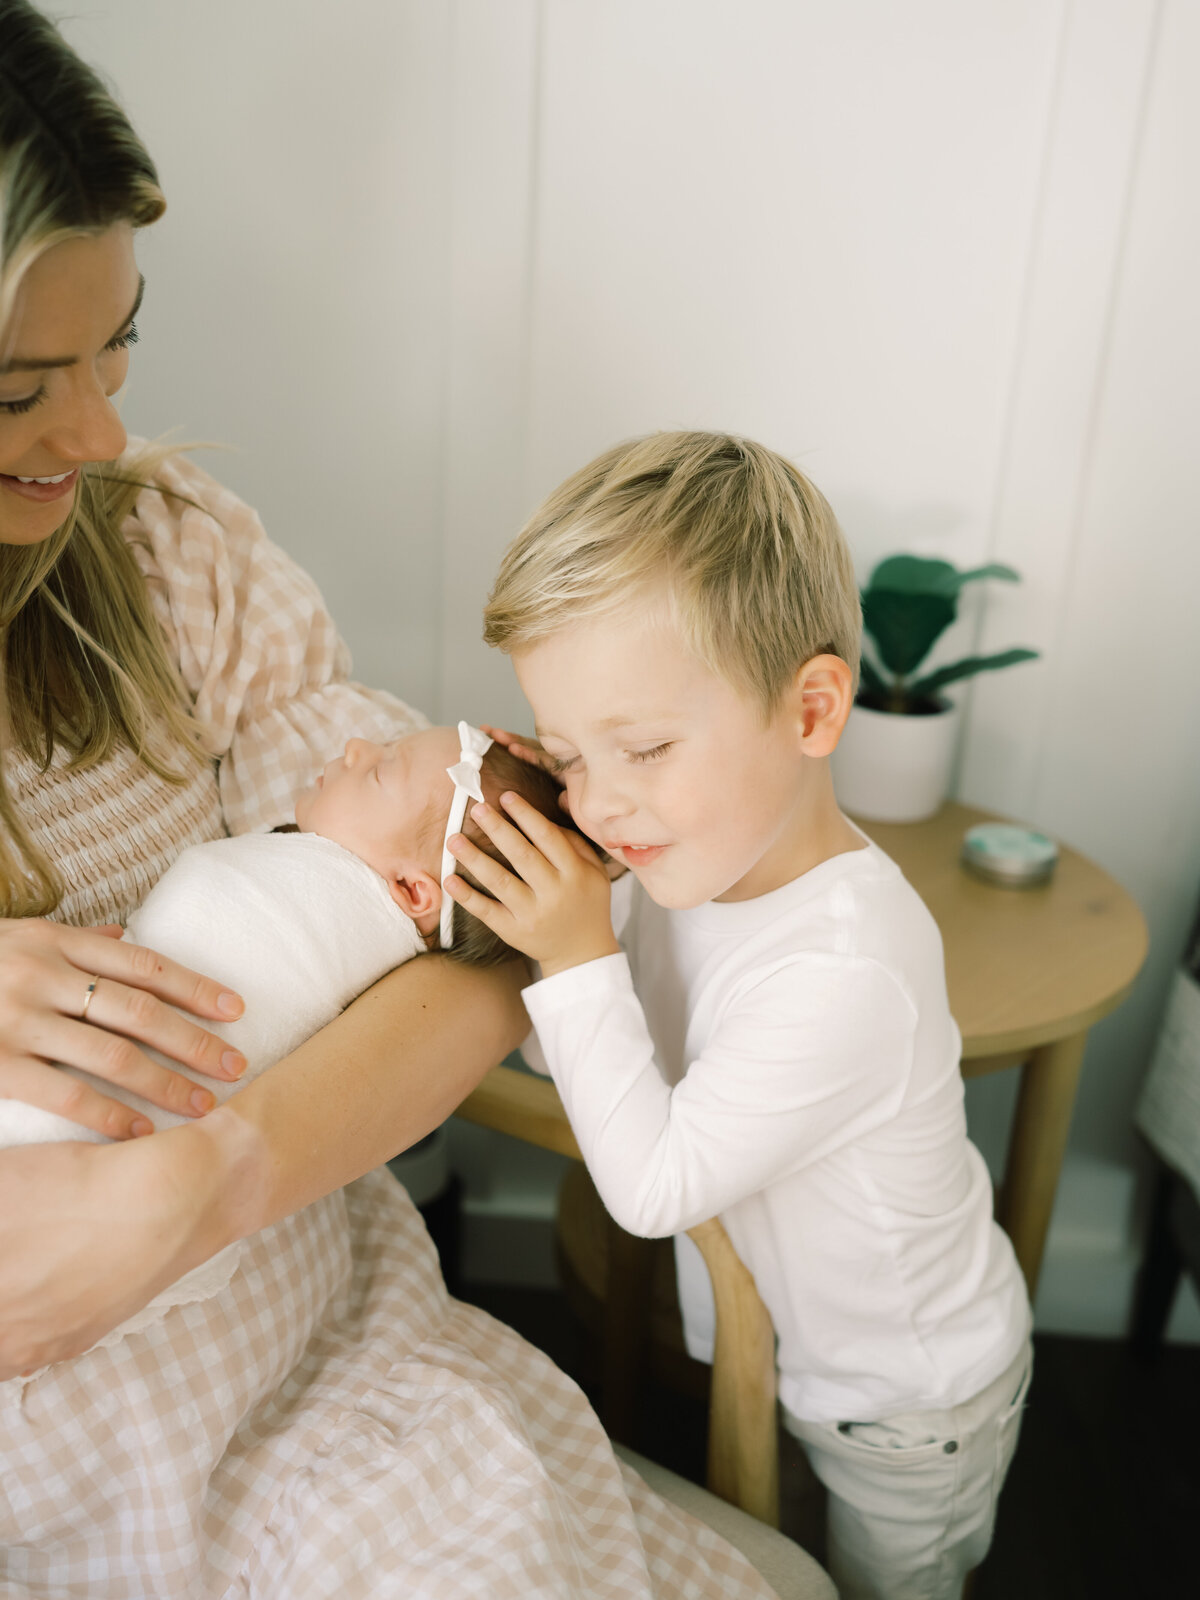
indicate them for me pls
(300, 922)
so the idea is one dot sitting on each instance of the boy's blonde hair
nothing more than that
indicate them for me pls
(747, 550)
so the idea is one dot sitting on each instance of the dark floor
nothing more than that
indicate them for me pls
(1102, 1500)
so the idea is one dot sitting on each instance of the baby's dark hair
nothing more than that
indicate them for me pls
(474, 942)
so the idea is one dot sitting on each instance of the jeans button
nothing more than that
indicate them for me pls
(950, 1446)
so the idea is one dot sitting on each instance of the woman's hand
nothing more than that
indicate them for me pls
(45, 975)
(91, 1233)
(557, 910)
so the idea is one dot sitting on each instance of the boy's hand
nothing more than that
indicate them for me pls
(557, 910)
(526, 749)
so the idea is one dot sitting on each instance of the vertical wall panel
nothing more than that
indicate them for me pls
(1091, 146)
(495, 100)
(296, 300)
(806, 222)
(1118, 766)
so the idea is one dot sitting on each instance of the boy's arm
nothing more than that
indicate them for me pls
(811, 1053)
(817, 1053)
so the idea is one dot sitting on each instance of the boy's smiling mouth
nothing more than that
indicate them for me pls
(636, 855)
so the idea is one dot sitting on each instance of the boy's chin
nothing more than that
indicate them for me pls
(670, 896)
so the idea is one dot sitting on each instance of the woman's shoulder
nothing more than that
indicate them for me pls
(180, 509)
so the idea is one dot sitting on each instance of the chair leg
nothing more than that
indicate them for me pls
(1158, 1280)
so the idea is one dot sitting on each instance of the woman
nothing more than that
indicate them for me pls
(330, 1423)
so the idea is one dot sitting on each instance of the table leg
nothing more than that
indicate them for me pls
(1035, 1151)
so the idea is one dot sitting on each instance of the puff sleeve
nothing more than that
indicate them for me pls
(259, 654)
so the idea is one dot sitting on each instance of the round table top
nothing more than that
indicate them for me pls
(1023, 966)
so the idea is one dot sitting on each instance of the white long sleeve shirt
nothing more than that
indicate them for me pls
(790, 1064)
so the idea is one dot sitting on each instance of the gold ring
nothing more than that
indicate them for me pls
(87, 999)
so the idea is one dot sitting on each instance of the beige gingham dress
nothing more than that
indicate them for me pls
(331, 1423)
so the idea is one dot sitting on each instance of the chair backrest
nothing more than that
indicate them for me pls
(743, 1439)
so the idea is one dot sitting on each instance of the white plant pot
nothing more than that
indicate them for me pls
(894, 768)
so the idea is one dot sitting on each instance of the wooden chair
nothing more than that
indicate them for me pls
(743, 1450)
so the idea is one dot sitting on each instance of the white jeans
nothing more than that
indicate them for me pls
(912, 1499)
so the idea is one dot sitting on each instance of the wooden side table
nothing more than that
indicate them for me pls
(1028, 972)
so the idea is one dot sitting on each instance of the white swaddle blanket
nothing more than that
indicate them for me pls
(293, 923)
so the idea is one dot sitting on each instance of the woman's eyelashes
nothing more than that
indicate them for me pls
(18, 408)
(124, 340)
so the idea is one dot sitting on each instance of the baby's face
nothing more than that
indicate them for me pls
(381, 801)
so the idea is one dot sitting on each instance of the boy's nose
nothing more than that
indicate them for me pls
(601, 802)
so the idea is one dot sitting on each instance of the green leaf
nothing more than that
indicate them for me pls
(967, 668)
(904, 626)
(994, 569)
(870, 676)
(925, 575)
(914, 575)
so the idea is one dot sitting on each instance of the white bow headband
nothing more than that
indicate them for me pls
(465, 775)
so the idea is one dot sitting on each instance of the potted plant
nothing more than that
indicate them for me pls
(892, 763)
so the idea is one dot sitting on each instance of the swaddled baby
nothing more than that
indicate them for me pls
(301, 922)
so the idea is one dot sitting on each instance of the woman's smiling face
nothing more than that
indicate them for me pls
(63, 355)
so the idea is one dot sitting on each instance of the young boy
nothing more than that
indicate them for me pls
(770, 1041)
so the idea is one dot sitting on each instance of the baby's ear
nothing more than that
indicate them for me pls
(419, 896)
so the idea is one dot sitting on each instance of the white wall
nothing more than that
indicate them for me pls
(422, 259)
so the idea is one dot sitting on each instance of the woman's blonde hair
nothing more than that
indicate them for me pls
(745, 549)
(83, 663)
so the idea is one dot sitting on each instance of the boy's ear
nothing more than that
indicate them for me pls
(419, 896)
(821, 698)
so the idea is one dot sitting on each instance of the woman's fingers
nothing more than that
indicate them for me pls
(114, 1058)
(145, 969)
(118, 1014)
(77, 997)
(50, 1089)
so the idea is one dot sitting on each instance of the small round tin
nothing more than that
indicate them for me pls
(1003, 853)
